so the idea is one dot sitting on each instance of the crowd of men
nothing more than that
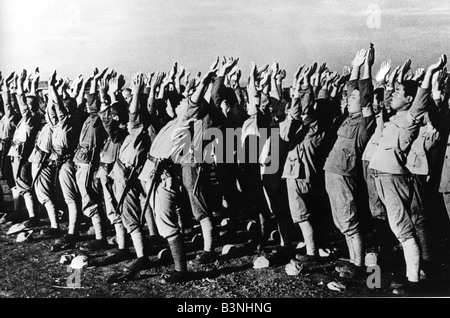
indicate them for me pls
(127, 154)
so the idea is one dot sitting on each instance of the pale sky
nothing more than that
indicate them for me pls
(74, 36)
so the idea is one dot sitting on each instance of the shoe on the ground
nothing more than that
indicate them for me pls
(406, 288)
(52, 232)
(68, 241)
(351, 271)
(32, 222)
(307, 259)
(95, 246)
(174, 277)
(206, 257)
(294, 268)
(14, 217)
(137, 265)
(119, 256)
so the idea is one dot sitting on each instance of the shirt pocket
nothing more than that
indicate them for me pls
(347, 159)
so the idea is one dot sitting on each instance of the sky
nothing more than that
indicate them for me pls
(75, 36)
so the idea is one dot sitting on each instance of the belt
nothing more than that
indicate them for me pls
(61, 158)
(126, 170)
(151, 158)
(107, 166)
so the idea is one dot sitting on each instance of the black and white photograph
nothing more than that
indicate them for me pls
(226, 155)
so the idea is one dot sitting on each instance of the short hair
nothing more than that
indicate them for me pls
(70, 104)
(120, 110)
(33, 102)
(410, 87)
(379, 94)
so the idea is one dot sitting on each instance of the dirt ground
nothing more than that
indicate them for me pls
(32, 269)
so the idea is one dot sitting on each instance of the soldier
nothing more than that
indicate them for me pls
(71, 116)
(343, 165)
(119, 184)
(87, 161)
(8, 124)
(165, 179)
(43, 174)
(22, 146)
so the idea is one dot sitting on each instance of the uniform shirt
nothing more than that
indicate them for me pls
(26, 130)
(444, 185)
(9, 120)
(418, 160)
(374, 139)
(352, 136)
(66, 132)
(43, 144)
(398, 134)
(188, 143)
(136, 143)
(91, 140)
(116, 135)
(133, 149)
(303, 137)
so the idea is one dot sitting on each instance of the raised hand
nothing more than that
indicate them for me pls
(384, 70)
(359, 58)
(206, 79)
(297, 74)
(264, 80)
(404, 70)
(316, 78)
(234, 79)
(53, 80)
(419, 74)
(9, 80)
(113, 85)
(136, 84)
(172, 72)
(23, 76)
(98, 75)
(227, 66)
(280, 75)
(370, 56)
(188, 75)
(158, 80)
(439, 64)
(103, 89)
(180, 73)
(432, 69)
(393, 77)
(214, 64)
(262, 69)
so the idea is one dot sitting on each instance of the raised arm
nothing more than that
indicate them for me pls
(423, 94)
(136, 88)
(96, 78)
(55, 111)
(20, 92)
(365, 84)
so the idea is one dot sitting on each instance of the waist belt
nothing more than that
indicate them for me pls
(126, 170)
(151, 158)
(19, 146)
(107, 166)
(60, 159)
